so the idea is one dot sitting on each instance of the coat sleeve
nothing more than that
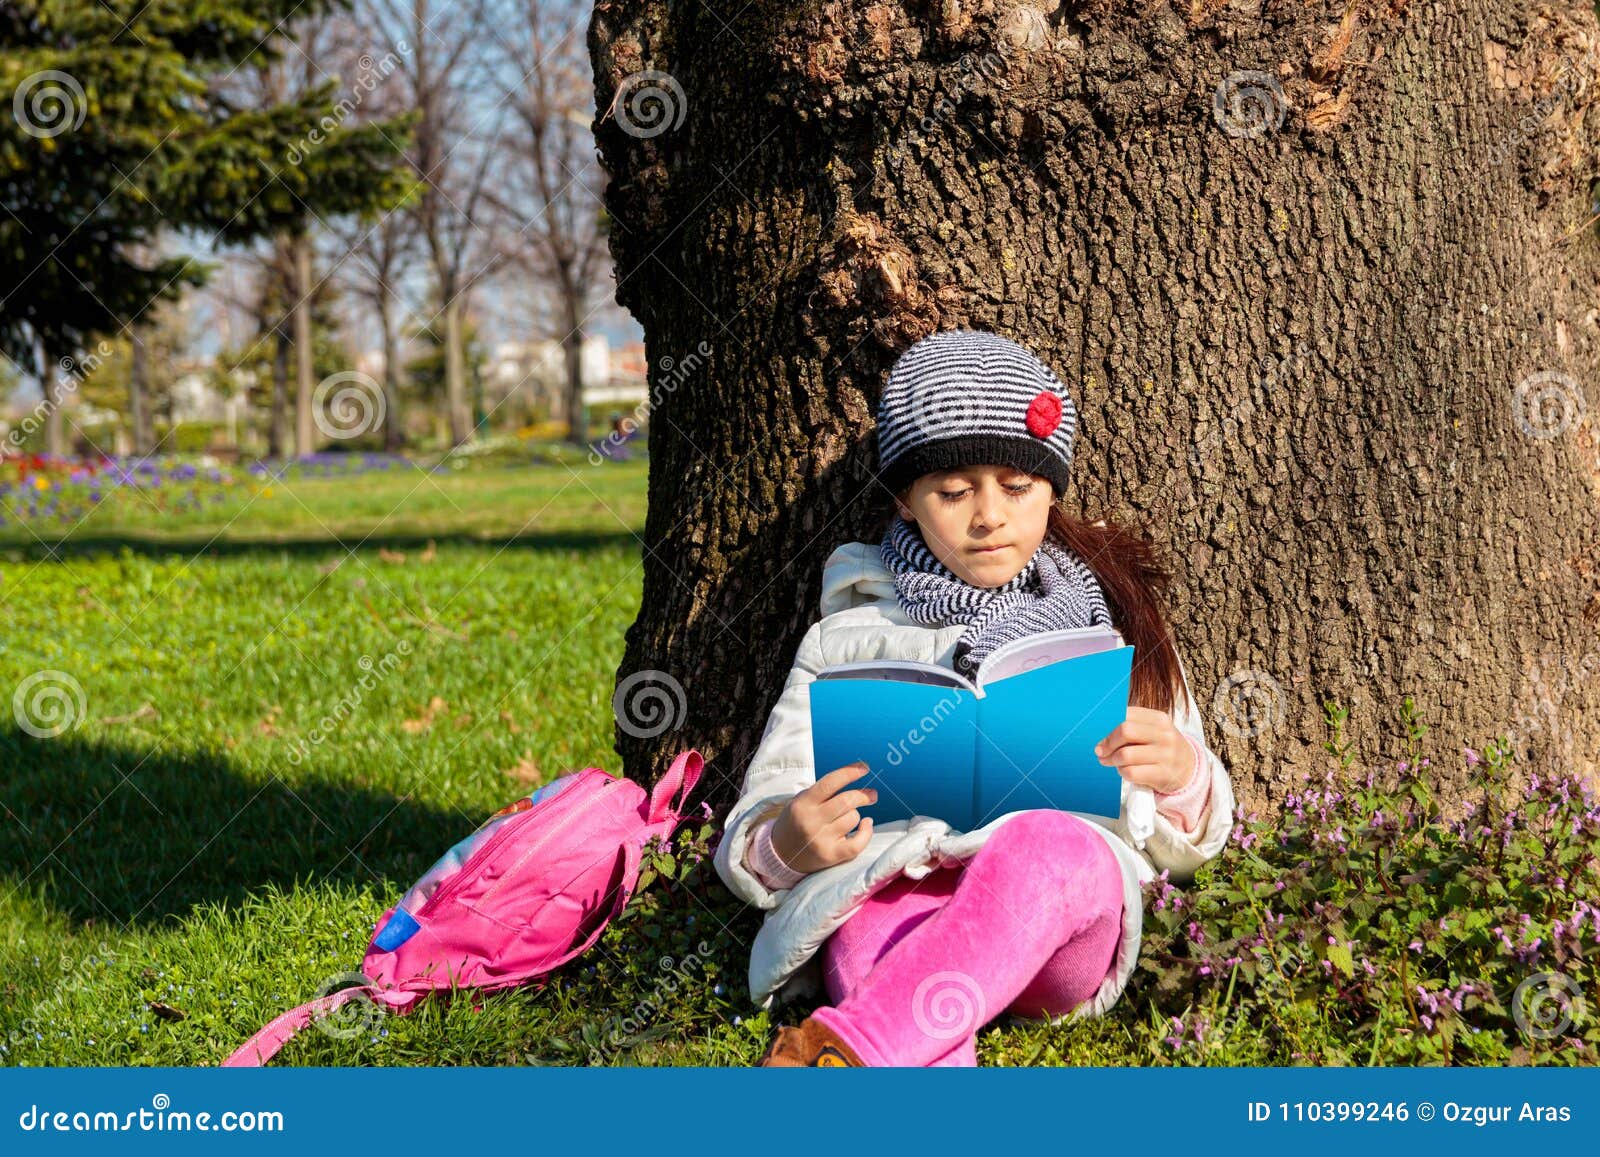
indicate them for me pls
(1181, 853)
(780, 769)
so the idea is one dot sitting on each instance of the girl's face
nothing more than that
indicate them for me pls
(982, 522)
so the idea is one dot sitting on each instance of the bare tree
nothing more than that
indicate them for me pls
(457, 112)
(376, 256)
(552, 188)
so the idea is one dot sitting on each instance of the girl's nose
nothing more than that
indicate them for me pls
(990, 513)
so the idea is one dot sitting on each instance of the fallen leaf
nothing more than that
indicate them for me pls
(395, 556)
(526, 771)
(425, 720)
(510, 721)
(165, 1011)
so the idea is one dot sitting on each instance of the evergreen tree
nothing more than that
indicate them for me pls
(121, 130)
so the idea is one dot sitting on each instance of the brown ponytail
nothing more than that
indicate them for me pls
(1135, 579)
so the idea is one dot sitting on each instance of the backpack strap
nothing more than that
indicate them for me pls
(684, 773)
(262, 1047)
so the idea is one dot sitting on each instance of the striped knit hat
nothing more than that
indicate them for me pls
(967, 397)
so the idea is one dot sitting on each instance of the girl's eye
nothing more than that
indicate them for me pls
(1016, 491)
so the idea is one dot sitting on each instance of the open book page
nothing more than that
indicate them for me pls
(1047, 647)
(1036, 737)
(916, 739)
(901, 670)
(937, 746)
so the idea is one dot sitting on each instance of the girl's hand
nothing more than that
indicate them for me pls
(1148, 749)
(813, 830)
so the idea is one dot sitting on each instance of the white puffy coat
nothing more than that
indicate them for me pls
(862, 619)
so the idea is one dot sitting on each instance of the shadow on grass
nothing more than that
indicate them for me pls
(106, 832)
(192, 545)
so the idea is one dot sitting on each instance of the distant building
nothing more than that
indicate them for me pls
(533, 375)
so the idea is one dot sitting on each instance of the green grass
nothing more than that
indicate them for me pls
(201, 840)
(193, 822)
(293, 700)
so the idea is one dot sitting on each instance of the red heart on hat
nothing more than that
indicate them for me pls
(1044, 414)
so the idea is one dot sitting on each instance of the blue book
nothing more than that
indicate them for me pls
(1018, 736)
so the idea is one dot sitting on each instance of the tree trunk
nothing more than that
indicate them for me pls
(278, 428)
(572, 354)
(305, 435)
(55, 442)
(1303, 316)
(138, 394)
(455, 373)
(394, 430)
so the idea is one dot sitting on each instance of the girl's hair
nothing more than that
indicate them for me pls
(1134, 578)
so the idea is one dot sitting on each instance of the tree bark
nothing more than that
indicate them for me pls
(455, 373)
(1300, 267)
(394, 430)
(305, 434)
(572, 358)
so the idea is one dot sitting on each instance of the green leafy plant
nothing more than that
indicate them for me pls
(1363, 926)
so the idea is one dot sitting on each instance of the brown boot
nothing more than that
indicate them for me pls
(810, 1044)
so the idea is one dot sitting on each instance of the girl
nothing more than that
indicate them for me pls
(922, 934)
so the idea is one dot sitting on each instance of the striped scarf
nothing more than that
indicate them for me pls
(1053, 592)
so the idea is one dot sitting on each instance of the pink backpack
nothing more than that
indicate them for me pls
(525, 893)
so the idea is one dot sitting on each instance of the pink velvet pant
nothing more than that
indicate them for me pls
(1030, 925)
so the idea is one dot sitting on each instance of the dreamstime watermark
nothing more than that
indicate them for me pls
(48, 703)
(1547, 404)
(1247, 703)
(70, 374)
(160, 1117)
(372, 74)
(356, 1016)
(971, 67)
(1022, 30)
(49, 103)
(675, 974)
(371, 672)
(676, 371)
(1547, 1004)
(1248, 103)
(649, 103)
(948, 1006)
(648, 703)
(931, 413)
(921, 730)
(348, 404)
